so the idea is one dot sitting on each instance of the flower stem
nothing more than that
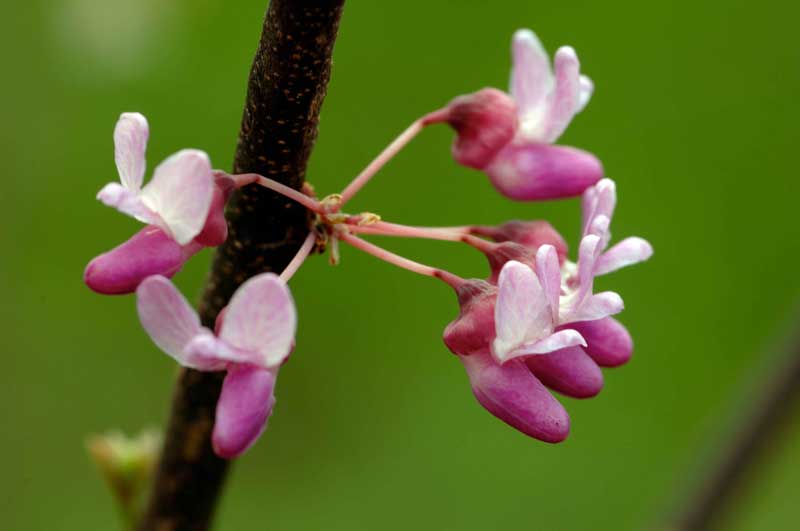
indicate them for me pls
(310, 203)
(300, 257)
(453, 234)
(387, 256)
(387, 154)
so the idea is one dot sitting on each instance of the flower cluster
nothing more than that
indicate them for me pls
(534, 325)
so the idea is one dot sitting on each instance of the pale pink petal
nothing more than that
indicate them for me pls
(130, 143)
(513, 394)
(586, 91)
(549, 273)
(206, 352)
(596, 307)
(530, 171)
(167, 316)
(261, 318)
(569, 371)
(521, 315)
(149, 252)
(181, 192)
(531, 77)
(608, 341)
(565, 99)
(244, 407)
(600, 200)
(587, 256)
(627, 252)
(553, 342)
(126, 201)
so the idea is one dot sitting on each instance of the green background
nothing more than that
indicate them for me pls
(695, 116)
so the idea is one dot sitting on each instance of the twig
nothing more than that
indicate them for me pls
(286, 88)
(760, 428)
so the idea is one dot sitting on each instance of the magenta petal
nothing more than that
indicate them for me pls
(511, 393)
(569, 371)
(149, 252)
(533, 171)
(215, 230)
(609, 343)
(244, 406)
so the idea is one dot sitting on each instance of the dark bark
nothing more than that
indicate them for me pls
(761, 427)
(286, 88)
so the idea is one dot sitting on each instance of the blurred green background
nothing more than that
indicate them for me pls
(695, 115)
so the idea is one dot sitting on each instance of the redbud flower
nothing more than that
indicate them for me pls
(178, 197)
(254, 337)
(510, 137)
(183, 206)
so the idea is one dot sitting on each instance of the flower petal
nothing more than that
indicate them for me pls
(627, 252)
(530, 171)
(531, 77)
(609, 343)
(565, 99)
(244, 407)
(511, 393)
(600, 200)
(149, 252)
(206, 352)
(181, 192)
(585, 94)
(522, 314)
(261, 318)
(569, 371)
(596, 307)
(126, 201)
(130, 143)
(553, 342)
(549, 273)
(167, 317)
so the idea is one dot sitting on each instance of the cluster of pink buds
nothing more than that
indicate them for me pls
(534, 324)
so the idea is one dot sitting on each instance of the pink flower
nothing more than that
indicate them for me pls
(501, 334)
(254, 337)
(510, 137)
(178, 197)
(183, 206)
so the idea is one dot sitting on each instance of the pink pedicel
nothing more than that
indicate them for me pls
(509, 136)
(148, 252)
(255, 337)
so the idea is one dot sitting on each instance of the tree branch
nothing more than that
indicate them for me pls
(287, 85)
(761, 426)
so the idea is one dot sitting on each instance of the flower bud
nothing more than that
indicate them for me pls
(485, 122)
(513, 394)
(150, 251)
(532, 171)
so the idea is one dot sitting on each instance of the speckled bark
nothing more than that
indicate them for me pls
(286, 88)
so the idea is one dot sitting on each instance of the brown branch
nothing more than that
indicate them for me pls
(761, 427)
(285, 91)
